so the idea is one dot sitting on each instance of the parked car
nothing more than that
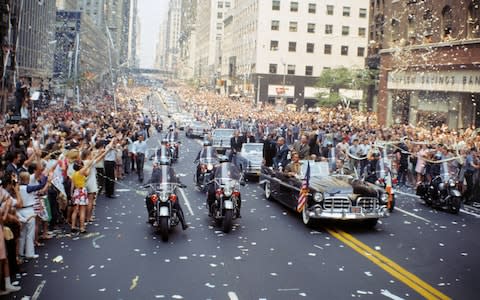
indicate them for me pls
(250, 158)
(330, 196)
(221, 139)
(197, 129)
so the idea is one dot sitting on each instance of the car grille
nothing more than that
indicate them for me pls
(336, 203)
(367, 203)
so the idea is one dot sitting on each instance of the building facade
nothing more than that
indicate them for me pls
(117, 15)
(208, 40)
(172, 38)
(132, 34)
(81, 54)
(95, 9)
(281, 47)
(429, 61)
(187, 39)
(35, 41)
(161, 47)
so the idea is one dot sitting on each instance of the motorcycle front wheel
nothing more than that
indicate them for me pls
(454, 205)
(227, 221)
(163, 228)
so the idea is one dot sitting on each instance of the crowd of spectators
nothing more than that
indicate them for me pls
(55, 162)
(353, 135)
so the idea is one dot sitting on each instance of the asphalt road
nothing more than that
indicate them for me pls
(415, 253)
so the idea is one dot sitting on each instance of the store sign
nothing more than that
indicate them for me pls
(280, 90)
(443, 81)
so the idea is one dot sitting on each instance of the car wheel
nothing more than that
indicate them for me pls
(309, 222)
(268, 191)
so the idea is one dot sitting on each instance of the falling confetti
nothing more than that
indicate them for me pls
(58, 259)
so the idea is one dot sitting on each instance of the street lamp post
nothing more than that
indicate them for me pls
(258, 90)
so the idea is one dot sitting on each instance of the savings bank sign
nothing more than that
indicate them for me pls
(445, 81)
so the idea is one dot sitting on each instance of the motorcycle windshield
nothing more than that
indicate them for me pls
(162, 152)
(208, 156)
(449, 170)
(171, 137)
(163, 178)
(227, 172)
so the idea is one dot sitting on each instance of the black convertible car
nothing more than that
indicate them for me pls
(330, 196)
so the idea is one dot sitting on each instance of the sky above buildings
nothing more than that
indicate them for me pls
(151, 13)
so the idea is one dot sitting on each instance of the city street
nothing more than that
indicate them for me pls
(416, 253)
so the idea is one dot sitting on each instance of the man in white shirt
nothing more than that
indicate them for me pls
(139, 150)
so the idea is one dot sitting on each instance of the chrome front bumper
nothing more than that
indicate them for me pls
(317, 212)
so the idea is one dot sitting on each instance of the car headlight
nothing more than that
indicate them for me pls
(209, 167)
(318, 197)
(384, 197)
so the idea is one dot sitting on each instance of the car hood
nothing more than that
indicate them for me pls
(331, 185)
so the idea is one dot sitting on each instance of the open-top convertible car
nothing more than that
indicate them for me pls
(249, 160)
(330, 196)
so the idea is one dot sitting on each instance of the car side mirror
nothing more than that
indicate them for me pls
(182, 186)
(242, 182)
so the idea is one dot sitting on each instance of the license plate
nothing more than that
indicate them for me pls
(356, 209)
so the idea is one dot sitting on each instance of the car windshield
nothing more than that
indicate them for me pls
(252, 148)
(317, 168)
(225, 133)
(227, 171)
(199, 124)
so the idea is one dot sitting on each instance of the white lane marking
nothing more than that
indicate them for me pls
(187, 203)
(232, 296)
(288, 290)
(38, 290)
(412, 214)
(461, 210)
(470, 213)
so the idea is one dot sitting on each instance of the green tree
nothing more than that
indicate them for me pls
(342, 78)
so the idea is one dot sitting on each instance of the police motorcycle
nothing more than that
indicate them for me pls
(378, 172)
(162, 201)
(206, 161)
(441, 191)
(224, 197)
(173, 144)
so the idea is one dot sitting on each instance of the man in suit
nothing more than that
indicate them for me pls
(269, 150)
(302, 147)
(236, 143)
(281, 158)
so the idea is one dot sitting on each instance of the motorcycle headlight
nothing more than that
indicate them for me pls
(227, 191)
(209, 167)
(318, 197)
(451, 183)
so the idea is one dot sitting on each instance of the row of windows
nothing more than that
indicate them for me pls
(312, 9)
(311, 28)
(310, 48)
(273, 69)
(220, 4)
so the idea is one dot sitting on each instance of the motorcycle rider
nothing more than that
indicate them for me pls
(434, 171)
(206, 144)
(156, 173)
(211, 190)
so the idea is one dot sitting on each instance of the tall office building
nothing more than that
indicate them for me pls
(208, 35)
(279, 48)
(35, 41)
